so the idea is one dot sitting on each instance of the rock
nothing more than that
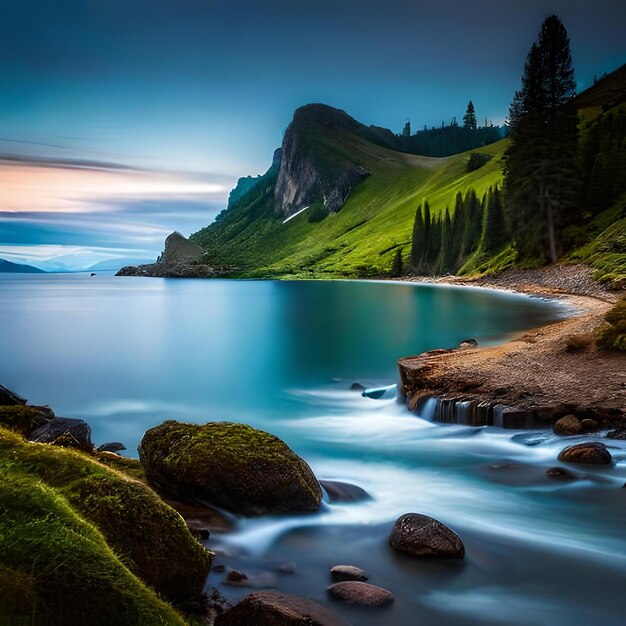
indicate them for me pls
(235, 576)
(347, 572)
(343, 492)
(357, 387)
(361, 593)
(112, 446)
(287, 567)
(616, 434)
(381, 393)
(589, 425)
(231, 466)
(22, 419)
(304, 178)
(93, 273)
(273, 608)
(9, 398)
(200, 516)
(179, 259)
(468, 343)
(568, 425)
(590, 453)
(560, 472)
(420, 535)
(65, 431)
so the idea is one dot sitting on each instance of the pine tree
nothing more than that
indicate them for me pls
(495, 235)
(397, 267)
(469, 119)
(541, 171)
(418, 242)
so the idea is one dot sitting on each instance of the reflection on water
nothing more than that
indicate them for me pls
(127, 353)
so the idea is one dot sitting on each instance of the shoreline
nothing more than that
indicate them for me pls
(535, 377)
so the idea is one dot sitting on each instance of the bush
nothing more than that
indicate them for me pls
(612, 334)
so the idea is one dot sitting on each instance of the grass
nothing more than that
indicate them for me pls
(88, 544)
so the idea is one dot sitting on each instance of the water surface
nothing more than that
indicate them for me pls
(127, 353)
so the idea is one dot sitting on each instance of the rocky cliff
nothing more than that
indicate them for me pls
(179, 259)
(312, 171)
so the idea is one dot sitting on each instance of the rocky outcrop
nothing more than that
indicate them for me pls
(343, 492)
(64, 431)
(279, 609)
(231, 466)
(179, 259)
(423, 536)
(311, 171)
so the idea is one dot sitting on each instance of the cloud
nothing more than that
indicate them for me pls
(64, 207)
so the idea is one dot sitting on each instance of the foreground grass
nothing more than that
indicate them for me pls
(81, 543)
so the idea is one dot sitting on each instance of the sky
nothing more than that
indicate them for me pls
(123, 120)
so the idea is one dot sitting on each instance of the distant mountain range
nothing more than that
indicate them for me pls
(7, 267)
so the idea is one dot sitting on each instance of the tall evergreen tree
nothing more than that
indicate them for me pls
(541, 171)
(469, 119)
(397, 267)
(418, 241)
(495, 234)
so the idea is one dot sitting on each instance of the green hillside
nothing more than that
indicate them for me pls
(362, 238)
(376, 221)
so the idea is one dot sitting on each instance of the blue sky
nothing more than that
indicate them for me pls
(204, 89)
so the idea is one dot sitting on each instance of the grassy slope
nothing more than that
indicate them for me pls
(363, 236)
(60, 560)
(377, 219)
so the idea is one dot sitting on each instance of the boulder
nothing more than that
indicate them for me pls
(273, 608)
(231, 466)
(364, 594)
(357, 387)
(347, 572)
(343, 492)
(423, 536)
(589, 425)
(467, 344)
(568, 425)
(64, 431)
(589, 453)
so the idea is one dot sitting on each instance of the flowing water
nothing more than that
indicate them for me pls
(127, 353)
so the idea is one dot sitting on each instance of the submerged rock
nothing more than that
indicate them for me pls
(232, 466)
(343, 492)
(560, 472)
(64, 431)
(568, 425)
(423, 536)
(357, 387)
(360, 593)
(273, 608)
(348, 572)
(618, 433)
(590, 453)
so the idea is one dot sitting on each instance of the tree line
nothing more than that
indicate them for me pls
(443, 244)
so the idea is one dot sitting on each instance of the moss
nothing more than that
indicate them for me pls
(20, 418)
(233, 466)
(63, 565)
(612, 335)
(130, 467)
(130, 534)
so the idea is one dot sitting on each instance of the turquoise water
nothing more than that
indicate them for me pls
(127, 353)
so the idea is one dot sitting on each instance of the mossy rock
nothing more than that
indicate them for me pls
(93, 539)
(232, 466)
(22, 419)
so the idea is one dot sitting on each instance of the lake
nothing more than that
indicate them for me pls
(127, 353)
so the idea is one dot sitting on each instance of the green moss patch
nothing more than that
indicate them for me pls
(87, 543)
(232, 466)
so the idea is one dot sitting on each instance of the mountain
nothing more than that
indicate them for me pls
(7, 267)
(351, 200)
(115, 264)
(342, 201)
